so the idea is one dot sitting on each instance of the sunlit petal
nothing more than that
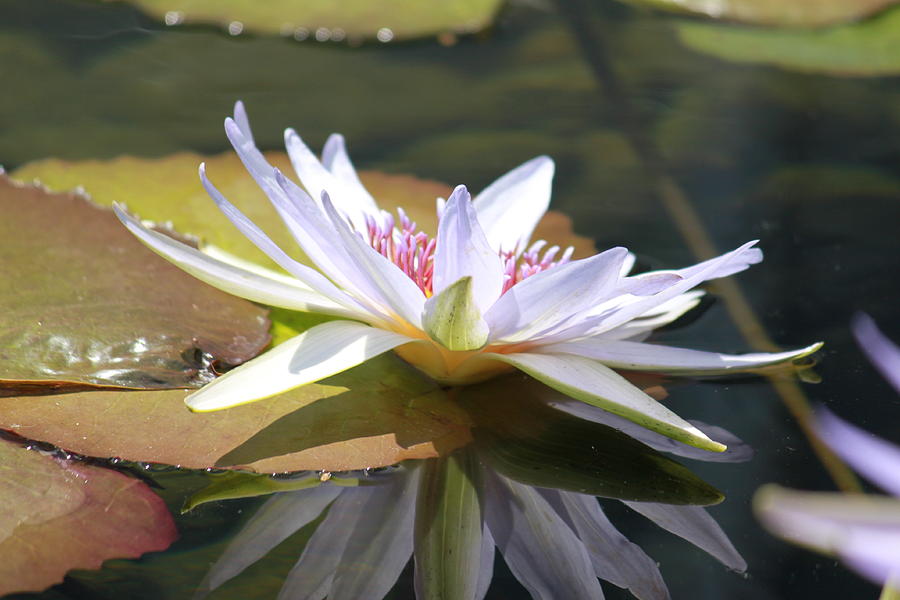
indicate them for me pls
(509, 209)
(589, 381)
(464, 251)
(637, 356)
(324, 350)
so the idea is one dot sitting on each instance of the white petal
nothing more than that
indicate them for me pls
(271, 524)
(463, 251)
(693, 524)
(667, 312)
(269, 288)
(876, 459)
(510, 208)
(539, 548)
(336, 160)
(317, 353)
(542, 301)
(738, 450)
(486, 568)
(636, 356)
(349, 197)
(883, 353)
(615, 559)
(393, 289)
(721, 266)
(591, 382)
(309, 276)
(381, 543)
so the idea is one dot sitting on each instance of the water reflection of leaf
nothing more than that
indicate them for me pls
(84, 304)
(374, 415)
(60, 515)
(450, 513)
(355, 19)
(866, 49)
(797, 13)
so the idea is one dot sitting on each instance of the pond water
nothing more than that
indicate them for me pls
(658, 148)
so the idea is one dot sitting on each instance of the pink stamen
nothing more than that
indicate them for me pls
(413, 252)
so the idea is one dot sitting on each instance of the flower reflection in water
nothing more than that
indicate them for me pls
(862, 530)
(476, 300)
(450, 513)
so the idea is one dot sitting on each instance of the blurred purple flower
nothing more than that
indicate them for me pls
(862, 530)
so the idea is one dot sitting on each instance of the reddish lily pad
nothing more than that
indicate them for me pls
(374, 415)
(335, 19)
(794, 13)
(84, 303)
(60, 515)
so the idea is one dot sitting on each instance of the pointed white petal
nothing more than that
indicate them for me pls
(243, 122)
(591, 382)
(615, 559)
(312, 576)
(637, 356)
(509, 209)
(464, 251)
(381, 543)
(269, 288)
(693, 524)
(738, 450)
(390, 286)
(310, 277)
(876, 459)
(667, 312)
(486, 569)
(721, 266)
(336, 160)
(542, 301)
(349, 196)
(883, 353)
(317, 353)
(864, 530)
(273, 522)
(628, 264)
(540, 549)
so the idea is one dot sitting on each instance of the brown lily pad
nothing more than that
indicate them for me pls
(60, 515)
(84, 303)
(374, 415)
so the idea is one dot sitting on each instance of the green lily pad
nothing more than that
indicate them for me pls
(84, 303)
(866, 49)
(330, 20)
(376, 414)
(60, 515)
(794, 13)
(522, 438)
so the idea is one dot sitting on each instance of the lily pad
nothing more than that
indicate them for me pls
(330, 19)
(866, 49)
(84, 303)
(60, 515)
(377, 414)
(795, 13)
(521, 437)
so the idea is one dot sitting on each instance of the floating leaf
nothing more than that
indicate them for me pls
(376, 414)
(60, 515)
(867, 49)
(331, 20)
(524, 439)
(795, 13)
(83, 302)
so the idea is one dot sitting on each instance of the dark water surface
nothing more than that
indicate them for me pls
(806, 163)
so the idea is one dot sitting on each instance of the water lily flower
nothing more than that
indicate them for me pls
(862, 530)
(474, 299)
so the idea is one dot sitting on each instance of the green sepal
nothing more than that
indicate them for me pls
(453, 320)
